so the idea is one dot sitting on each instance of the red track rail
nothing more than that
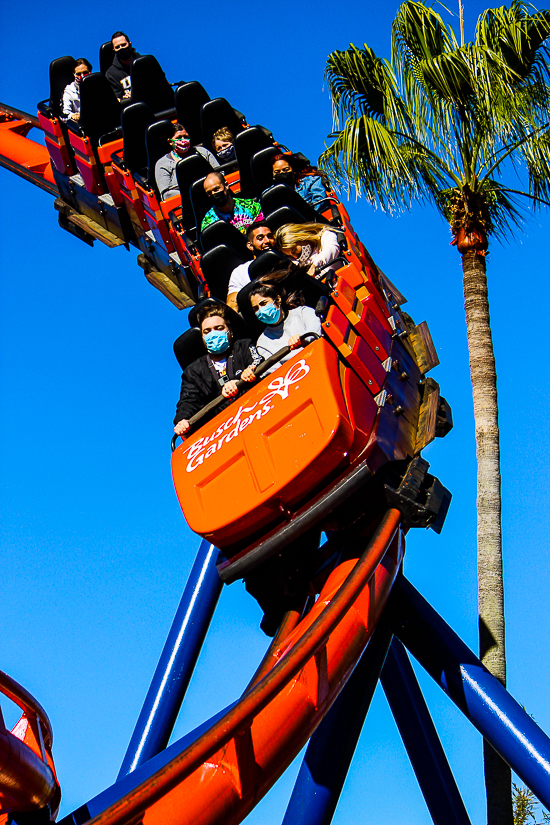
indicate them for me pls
(225, 772)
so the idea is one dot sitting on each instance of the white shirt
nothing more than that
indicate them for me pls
(330, 249)
(239, 278)
(276, 336)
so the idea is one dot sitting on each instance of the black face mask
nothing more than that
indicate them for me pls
(284, 177)
(219, 198)
(125, 53)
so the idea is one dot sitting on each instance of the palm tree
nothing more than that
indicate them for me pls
(442, 122)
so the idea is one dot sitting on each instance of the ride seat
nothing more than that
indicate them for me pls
(217, 265)
(218, 113)
(49, 115)
(200, 203)
(267, 261)
(247, 144)
(188, 347)
(106, 56)
(281, 195)
(99, 122)
(189, 170)
(136, 118)
(226, 234)
(261, 166)
(282, 216)
(189, 99)
(150, 86)
(156, 145)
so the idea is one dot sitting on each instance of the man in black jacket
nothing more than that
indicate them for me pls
(217, 372)
(119, 74)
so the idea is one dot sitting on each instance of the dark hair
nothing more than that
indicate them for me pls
(252, 228)
(210, 310)
(120, 34)
(82, 60)
(287, 158)
(275, 286)
(177, 127)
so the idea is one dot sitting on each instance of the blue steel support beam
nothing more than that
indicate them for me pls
(330, 750)
(478, 694)
(177, 661)
(421, 740)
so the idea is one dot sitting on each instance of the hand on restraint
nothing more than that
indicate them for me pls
(181, 427)
(248, 374)
(294, 342)
(230, 389)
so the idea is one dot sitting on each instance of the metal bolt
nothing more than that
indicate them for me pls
(370, 380)
(377, 348)
(404, 376)
(399, 410)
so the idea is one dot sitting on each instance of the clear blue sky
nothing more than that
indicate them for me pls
(96, 551)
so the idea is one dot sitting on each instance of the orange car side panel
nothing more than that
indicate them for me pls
(269, 448)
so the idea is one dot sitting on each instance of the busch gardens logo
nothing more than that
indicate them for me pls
(204, 447)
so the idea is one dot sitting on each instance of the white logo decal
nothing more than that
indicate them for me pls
(204, 447)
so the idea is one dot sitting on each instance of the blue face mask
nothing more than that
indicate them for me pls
(227, 154)
(216, 342)
(270, 314)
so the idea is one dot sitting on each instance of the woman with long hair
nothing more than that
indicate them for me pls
(309, 244)
(285, 319)
(307, 184)
(71, 94)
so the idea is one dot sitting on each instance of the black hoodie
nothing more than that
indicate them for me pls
(119, 77)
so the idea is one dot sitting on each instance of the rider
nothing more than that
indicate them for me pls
(216, 372)
(165, 167)
(240, 212)
(259, 237)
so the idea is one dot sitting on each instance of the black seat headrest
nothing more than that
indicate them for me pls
(247, 144)
(149, 84)
(227, 234)
(188, 347)
(262, 167)
(200, 202)
(217, 265)
(282, 216)
(157, 136)
(106, 56)
(136, 118)
(99, 108)
(281, 195)
(267, 261)
(188, 171)
(189, 99)
(61, 74)
(214, 115)
(238, 325)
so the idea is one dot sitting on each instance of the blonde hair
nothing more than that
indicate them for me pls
(222, 134)
(291, 234)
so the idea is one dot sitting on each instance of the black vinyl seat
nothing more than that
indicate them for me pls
(217, 265)
(157, 136)
(189, 98)
(282, 216)
(136, 118)
(188, 347)
(61, 74)
(227, 235)
(200, 202)
(248, 143)
(261, 166)
(214, 115)
(188, 171)
(150, 86)
(281, 195)
(99, 109)
(106, 56)
(238, 325)
(268, 261)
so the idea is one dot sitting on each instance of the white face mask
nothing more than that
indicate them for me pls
(305, 254)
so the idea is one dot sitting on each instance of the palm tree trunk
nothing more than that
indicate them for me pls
(489, 540)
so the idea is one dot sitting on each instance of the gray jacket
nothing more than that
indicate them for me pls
(165, 171)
